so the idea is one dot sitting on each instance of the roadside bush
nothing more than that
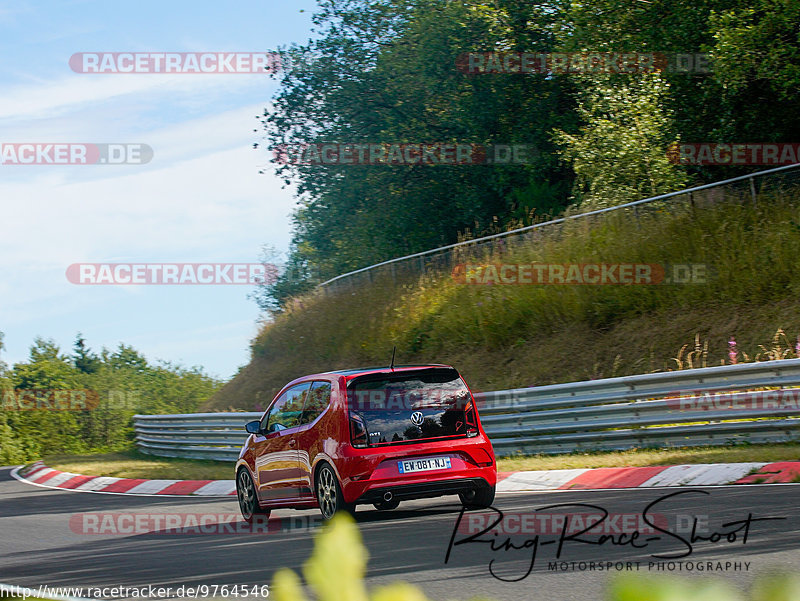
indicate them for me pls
(122, 383)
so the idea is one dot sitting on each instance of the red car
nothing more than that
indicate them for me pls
(377, 435)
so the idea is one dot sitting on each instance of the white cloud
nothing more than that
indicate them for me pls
(205, 201)
(76, 92)
(213, 195)
(200, 199)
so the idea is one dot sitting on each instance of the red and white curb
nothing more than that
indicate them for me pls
(39, 474)
(701, 474)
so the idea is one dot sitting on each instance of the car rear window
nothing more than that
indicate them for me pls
(410, 406)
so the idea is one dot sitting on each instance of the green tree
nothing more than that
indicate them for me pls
(385, 72)
(758, 45)
(3, 365)
(751, 93)
(84, 360)
(620, 153)
(126, 358)
(11, 449)
(46, 368)
(45, 431)
(119, 384)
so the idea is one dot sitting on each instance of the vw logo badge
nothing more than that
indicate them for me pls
(417, 418)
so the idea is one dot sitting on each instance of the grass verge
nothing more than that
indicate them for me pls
(761, 453)
(509, 336)
(132, 464)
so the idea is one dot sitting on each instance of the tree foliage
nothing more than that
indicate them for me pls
(618, 155)
(119, 384)
(384, 71)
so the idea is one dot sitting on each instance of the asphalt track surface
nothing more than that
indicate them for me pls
(41, 545)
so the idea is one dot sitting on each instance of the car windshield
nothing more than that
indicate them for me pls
(410, 406)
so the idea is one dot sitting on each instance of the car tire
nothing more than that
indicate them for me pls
(386, 505)
(329, 494)
(248, 499)
(479, 498)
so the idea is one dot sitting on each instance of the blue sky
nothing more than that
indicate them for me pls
(201, 198)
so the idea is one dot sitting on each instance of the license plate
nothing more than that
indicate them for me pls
(423, 465)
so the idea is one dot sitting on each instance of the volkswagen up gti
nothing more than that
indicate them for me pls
(366, 436)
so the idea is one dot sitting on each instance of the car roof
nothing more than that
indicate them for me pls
(352, 373)
(385, 368)
(360, 371)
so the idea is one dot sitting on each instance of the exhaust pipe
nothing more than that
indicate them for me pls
(387, 496)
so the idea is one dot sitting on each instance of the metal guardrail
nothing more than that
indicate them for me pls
(694, 407)
(217, 436)
(418, 260)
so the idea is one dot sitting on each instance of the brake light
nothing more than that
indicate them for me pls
(470, 417)
(358, 431)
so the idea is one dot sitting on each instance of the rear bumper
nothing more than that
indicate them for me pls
(422, 490)
(461, 478)
(363, 471)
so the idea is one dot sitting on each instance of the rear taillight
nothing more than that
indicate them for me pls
(470, 417)
(358, 431)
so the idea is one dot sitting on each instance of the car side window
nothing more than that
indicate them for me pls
(287, 410)
(317, 400)
(277, 403)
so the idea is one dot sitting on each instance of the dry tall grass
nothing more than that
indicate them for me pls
(502, 336)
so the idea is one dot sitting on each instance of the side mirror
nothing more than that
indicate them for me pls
(253, 427)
